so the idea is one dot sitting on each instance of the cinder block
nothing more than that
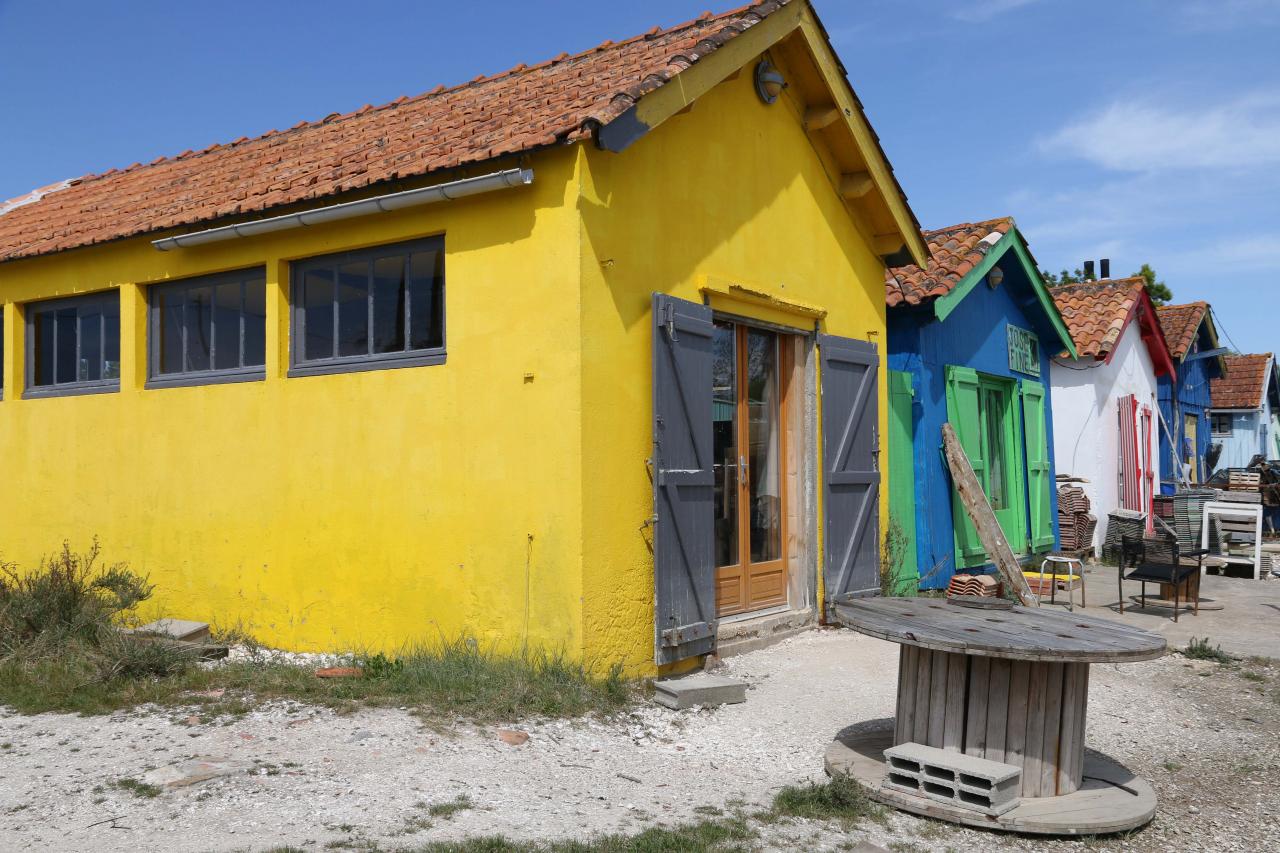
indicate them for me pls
(694, 690)
(954, 778)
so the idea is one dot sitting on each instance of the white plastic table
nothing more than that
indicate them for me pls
(1235, 510)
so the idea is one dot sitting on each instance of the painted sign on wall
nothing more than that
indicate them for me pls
(1024, 351)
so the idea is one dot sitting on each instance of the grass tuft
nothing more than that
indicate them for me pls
(1199, 649)
(451, 807)
(138, 788)
(841, 798)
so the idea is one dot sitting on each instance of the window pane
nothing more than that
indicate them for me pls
(994, 413)
(317, 305)
(65, 358)
(111, 337)
(353, 309)
(388, 304)
(198, 320)
(255, 323)
(426, 300)
(169, 307)
(90, 366)
(724, 441)
(226, 326)
(42, 370)
(763, 428)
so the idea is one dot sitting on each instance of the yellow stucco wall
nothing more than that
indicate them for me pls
(354, 510)
(732, 190)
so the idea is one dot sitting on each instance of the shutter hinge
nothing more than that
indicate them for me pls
(670, 310)
(673, 637)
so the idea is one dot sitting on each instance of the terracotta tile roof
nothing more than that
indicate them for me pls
(956, 251)
(516, 111)
(1096, 312)
(1180, 324)
(1244, 384)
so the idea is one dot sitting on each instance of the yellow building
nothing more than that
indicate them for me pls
(580, 355)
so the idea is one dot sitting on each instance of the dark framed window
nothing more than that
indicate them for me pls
(73, 345)
(1220, 423)
(369, 309)
(208, 330)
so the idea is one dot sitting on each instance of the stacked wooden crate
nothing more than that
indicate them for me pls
(1075, 521)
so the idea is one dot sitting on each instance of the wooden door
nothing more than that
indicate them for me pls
(684, 582)
(1190, 455)
(749, 456)
(850, 468)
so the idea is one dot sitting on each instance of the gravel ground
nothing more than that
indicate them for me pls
(1205, 735)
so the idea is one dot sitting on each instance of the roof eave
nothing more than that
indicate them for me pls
(1011, 241)
(655, 107)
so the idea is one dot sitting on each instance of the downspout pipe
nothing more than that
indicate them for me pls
(348, 210)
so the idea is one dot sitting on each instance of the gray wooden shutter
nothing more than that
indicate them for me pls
(851, 468)
(684, 483)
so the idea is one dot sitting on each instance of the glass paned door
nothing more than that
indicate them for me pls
(748, 447)
(1002, 445)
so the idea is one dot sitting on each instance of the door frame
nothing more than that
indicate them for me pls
(800, 470)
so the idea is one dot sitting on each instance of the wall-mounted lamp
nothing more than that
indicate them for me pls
(769, 81)
(995, 277)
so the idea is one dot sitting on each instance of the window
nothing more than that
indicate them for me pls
(73, 345)
(208, 329)
(380, 307)
(1221, 423)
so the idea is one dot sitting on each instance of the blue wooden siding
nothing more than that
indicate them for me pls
(1247, 438)
(974, 335)
(1190, 396)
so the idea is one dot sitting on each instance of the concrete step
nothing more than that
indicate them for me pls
(699, 690)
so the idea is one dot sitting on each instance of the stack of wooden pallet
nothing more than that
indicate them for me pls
(1243, 480)
(1075, 521)
(981, 585)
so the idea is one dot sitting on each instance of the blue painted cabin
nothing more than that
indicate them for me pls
(970, 341)
(1244, 403)
(1185, 402)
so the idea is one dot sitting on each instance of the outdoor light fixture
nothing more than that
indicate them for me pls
(995, 277)
(769, 81)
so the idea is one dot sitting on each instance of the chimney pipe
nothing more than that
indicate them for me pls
(1088, 270)
(1105, 268)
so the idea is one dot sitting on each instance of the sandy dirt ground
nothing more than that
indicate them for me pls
(1205, 735)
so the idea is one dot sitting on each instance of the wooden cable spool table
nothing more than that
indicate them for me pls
(1007, 685)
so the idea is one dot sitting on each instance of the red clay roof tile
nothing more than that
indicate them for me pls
(955, 251)
(1180, 324)
(1245, 383)
(513, 112)
(1096, 312)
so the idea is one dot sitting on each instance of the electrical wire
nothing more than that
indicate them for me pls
(1221, 328)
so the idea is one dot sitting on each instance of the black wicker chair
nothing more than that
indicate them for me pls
(1159, 559)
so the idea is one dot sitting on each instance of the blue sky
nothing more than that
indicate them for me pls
(1140, 130)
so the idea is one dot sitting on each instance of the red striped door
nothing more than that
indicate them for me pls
(1130, 458)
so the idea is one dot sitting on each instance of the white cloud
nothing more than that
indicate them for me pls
(1222, 15)
(985, 10)
(1137, 135)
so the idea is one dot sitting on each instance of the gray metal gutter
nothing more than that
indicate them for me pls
(348, 210)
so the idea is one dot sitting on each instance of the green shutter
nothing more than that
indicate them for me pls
(964, 414)
(1038, 485)
(902, 479)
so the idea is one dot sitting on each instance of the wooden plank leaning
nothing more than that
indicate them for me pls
(984, 518)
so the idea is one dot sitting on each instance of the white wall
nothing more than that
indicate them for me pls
(1086, 439)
